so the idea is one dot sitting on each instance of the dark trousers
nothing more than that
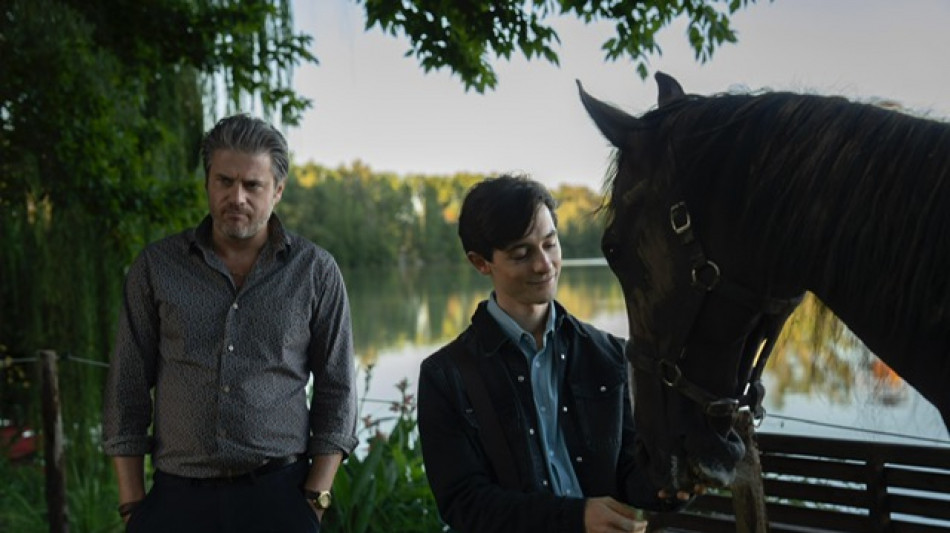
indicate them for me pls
(271, 503)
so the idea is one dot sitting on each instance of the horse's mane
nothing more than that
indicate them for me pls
(854, 192)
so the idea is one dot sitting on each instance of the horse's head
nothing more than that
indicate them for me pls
(695, 336)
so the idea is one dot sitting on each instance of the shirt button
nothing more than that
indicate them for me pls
(545, 483)
(231, 349)
(531, 431)
(521, 379)
(562, 357)
(234, 305)
(226, 388)
(579, 459)
(603, 388)
(564, 409)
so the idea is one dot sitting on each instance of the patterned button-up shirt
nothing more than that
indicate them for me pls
(229, 367)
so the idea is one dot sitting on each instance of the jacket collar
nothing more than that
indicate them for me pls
(492, 338)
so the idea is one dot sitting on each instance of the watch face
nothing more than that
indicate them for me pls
(320, 500)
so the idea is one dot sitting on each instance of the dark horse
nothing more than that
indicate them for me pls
(725, 210)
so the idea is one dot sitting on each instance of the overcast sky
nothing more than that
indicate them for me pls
(373, 104)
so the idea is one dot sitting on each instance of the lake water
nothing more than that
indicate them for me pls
(401, 317)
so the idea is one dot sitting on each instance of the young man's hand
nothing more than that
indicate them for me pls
(682, 495)
(607, 515)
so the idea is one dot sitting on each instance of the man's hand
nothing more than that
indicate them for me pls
(318, 512)
(130, 477)
(607, 515)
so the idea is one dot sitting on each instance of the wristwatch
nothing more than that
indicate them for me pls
(319, 500)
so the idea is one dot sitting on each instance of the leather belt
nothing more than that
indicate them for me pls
(272, 465)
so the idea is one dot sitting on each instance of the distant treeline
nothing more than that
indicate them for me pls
(367, 218)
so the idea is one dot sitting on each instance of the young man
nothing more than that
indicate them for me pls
(220, 330)
(557, 386)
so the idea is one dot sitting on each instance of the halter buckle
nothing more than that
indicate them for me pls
(669, 373)
(679, 218)
(700, 280)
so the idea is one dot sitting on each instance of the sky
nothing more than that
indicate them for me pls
(374, 104)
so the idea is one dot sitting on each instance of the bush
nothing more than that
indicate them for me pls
(385, 489)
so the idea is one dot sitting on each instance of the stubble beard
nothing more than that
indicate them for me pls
(238, 230)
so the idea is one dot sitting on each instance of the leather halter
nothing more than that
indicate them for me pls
(706, 277)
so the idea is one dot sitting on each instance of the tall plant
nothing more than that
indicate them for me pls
(385, 488)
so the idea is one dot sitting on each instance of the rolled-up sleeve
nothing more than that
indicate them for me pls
(333, 409)
(127, 405)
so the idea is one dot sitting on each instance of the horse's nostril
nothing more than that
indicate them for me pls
(721, 425)
(735, 446)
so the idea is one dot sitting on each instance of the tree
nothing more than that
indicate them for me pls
(466, 36)
(100, 122)
(580, 221)
(102, 105)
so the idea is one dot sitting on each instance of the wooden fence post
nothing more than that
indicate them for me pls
(53, 444)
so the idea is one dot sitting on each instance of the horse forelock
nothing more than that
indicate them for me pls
(857, 195)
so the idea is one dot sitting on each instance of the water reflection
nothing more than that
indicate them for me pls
(392, 309)
(819, 371)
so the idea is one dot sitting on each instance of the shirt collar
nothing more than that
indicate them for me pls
(277, 238)
(511, 328)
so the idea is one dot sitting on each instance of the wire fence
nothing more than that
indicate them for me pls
(67, 357)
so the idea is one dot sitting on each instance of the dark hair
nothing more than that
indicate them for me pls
(251, 135)
(498, 211)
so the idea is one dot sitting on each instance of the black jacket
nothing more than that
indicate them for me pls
(595, 416)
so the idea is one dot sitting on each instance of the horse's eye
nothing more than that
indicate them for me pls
(611, 252)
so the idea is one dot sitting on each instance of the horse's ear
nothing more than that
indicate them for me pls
(670, 89)
(612, 122)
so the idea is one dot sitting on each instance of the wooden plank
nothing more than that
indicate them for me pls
(777, 527)
(808, 491)
(834, 520)
(793, 444)
(920, 506)
(686, 522)
(910, 455)
(899, 526)
(917, 479)
(814, 468)
(906, 454)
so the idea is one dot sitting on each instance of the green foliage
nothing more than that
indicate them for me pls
(21, 498)
(90, 491)
(580, 225)
(465, 37)
(385, 489)
(381, 220)
(102, 106)
(100, 122)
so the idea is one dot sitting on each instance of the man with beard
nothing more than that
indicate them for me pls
(220, 330)
(548, 445)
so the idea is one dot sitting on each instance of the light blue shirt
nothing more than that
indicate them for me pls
(545, 385)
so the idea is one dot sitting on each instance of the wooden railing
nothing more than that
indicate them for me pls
(824, 485)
